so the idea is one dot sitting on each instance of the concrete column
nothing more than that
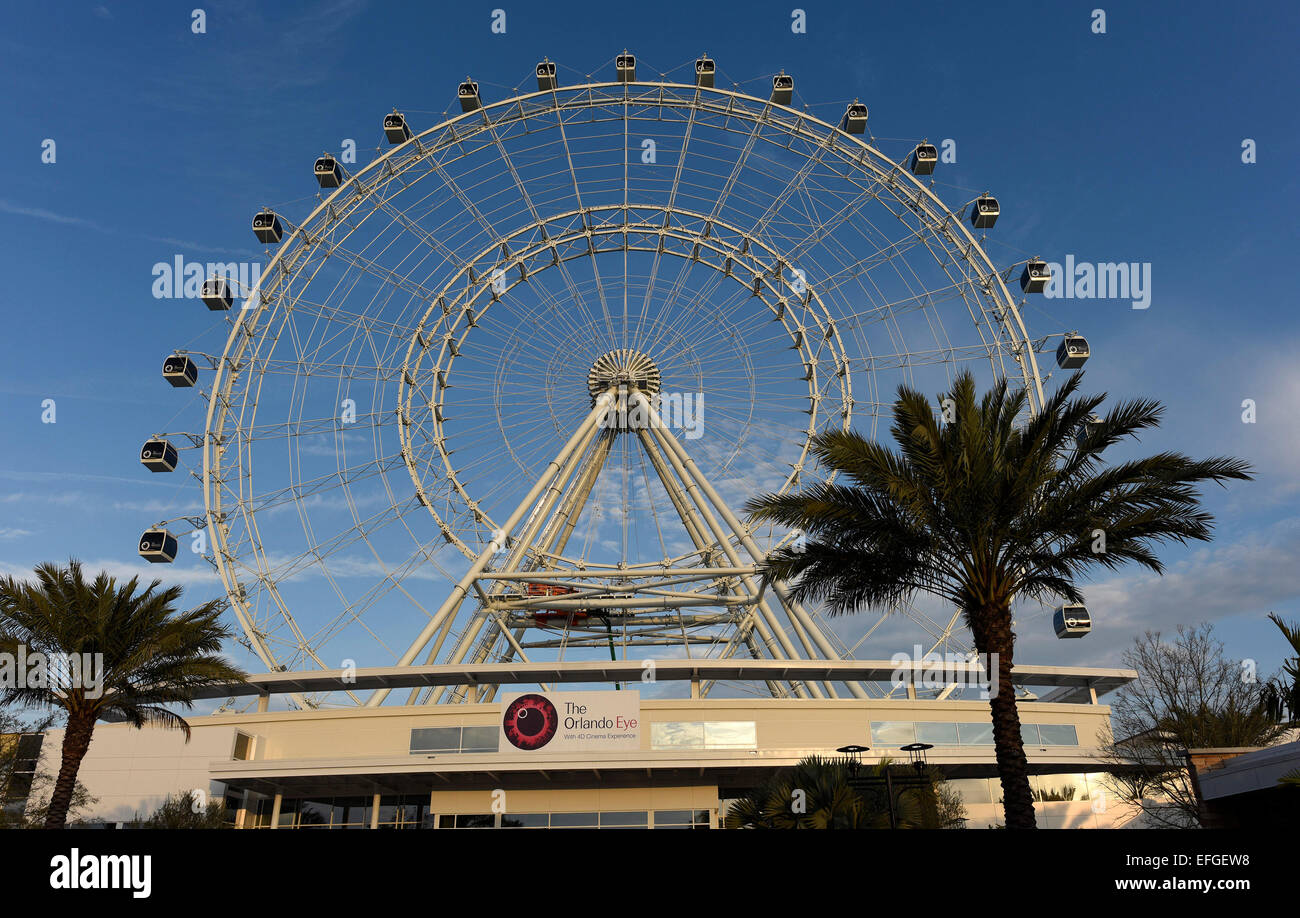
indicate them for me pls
(275, 811)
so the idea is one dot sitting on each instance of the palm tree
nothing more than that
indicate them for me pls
(818, 794)
(1282, 695)
(984, 509)
(152, 656)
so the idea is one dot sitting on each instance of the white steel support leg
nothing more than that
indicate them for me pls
(581, 435)
(555, 537)
(795, 610)
(724, 542)
(696, 532)
(555, 489)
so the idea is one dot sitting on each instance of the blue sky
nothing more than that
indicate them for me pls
(1124, 146)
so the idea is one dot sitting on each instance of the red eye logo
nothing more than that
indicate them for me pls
(530, 722)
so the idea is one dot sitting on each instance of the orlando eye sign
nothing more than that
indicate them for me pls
(559, 722)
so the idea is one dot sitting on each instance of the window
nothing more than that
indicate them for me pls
(574, 820)
(893, 733)
(429, 740)
(243, 747)
(1058, 734)
(975, 734)
(682, 819)
(479, 739)
(467, 821)
(629, 820)
(403, 811)
(704, 735)
(526, 821)
(937, 734)
(261, 816)
(612, 819)
(887, 734)
(972, 790)
(1056, 788)
(326, 813)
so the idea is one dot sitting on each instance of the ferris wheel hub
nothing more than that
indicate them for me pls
(623, 368)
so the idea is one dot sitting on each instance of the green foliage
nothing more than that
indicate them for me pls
(183, 811)
(985, 508)
(817, 794)
(982, 509)
(1282, 695)
(153, 655)
(1188, 695)
(23, 805)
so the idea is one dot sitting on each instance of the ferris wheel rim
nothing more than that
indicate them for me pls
(226, 369)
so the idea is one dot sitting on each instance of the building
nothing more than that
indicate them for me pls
(629, 760)
(1239, 787)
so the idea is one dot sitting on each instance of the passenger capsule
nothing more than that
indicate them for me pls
(467, 92)
(625, 68)
(782, 89)
(1035, 277)
(1072, 352)
(180, 371)
(215, 293)
(328, 172)
(984, 213)
(1072, 621)
(159, 456)
(266, 227)
(855, 119)
(158, 546)
(546, 76)
(704, 72)
(395, 128)
(924, 158)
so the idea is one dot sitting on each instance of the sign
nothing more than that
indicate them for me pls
(546, 722)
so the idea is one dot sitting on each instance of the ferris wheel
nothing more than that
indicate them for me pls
(498, 395)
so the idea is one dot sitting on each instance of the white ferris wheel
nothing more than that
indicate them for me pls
(499, 395)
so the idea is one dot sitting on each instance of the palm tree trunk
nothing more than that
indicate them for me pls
(1008, 744)
(76, 740)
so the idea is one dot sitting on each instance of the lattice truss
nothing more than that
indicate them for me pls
(416, 375)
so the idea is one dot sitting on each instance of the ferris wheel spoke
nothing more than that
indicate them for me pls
(433, 334)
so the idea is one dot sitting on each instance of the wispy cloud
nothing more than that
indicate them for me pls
(49, 216)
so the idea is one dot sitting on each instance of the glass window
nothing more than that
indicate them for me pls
(682, 819)
(479, 739)
(573, 820)
(666, 817)
(741, 734)
(637, 819)
(243, 747)
(731, 735)
(1029, 735)
(476, 821)
(676, 734)
(1058, 734)
(937, 734)
(311, 813)
(402, 811)
(893, 733)
(975, 734)
(262, 813)
(435, 739)
(288, 813)
(352, 811)
(972, 790)
(525, 821)
(1057, 788)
